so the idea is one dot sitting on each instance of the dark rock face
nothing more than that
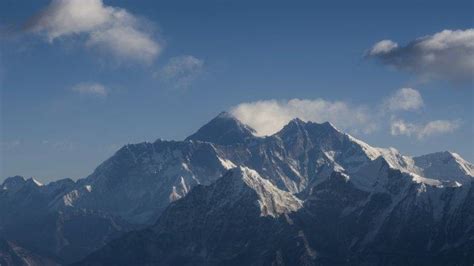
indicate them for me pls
(389, 228)
(11, 254)
(28, 219)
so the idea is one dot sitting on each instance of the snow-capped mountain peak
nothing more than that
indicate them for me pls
(445, 166)
(224, 129)
(225, 171)
(433, 168)
(34, 181)
(298, 125)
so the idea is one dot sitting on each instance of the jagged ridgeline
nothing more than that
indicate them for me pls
(307, 195)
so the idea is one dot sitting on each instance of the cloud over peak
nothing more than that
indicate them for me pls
(269, 116)
(112, 30)
(446, 55)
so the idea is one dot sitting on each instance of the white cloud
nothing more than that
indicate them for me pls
(66, 17)
(400, 127)
(126, 42)
(383, 47)
(436, 127)
(447, 55)
(94, 89)
(181, 71)
(267, 117)
(405, 99)
(110, 29)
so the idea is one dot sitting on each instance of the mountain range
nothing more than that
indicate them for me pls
(306, 195)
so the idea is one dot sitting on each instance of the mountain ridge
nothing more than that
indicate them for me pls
(139, 182)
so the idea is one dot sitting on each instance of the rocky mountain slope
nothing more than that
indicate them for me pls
(231, 222)
(290, 177)
(11, 254)
(341, 223)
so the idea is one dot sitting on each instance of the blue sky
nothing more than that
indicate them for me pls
(72, 94)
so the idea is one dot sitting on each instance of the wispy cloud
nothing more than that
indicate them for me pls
(447, 55)
(180, 72)
(109, 29)
(92, 89)
(404, 99)
(436, 127)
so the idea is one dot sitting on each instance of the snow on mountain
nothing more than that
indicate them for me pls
(389, 220)
(38, 183)
(445, 166)
(69, 198)
(391, 155)
(234, 221)
(297, 157)
(140, 180)
(227, 163)
(225, 129)
(271, 200)
(432, 169)
(276, 176)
